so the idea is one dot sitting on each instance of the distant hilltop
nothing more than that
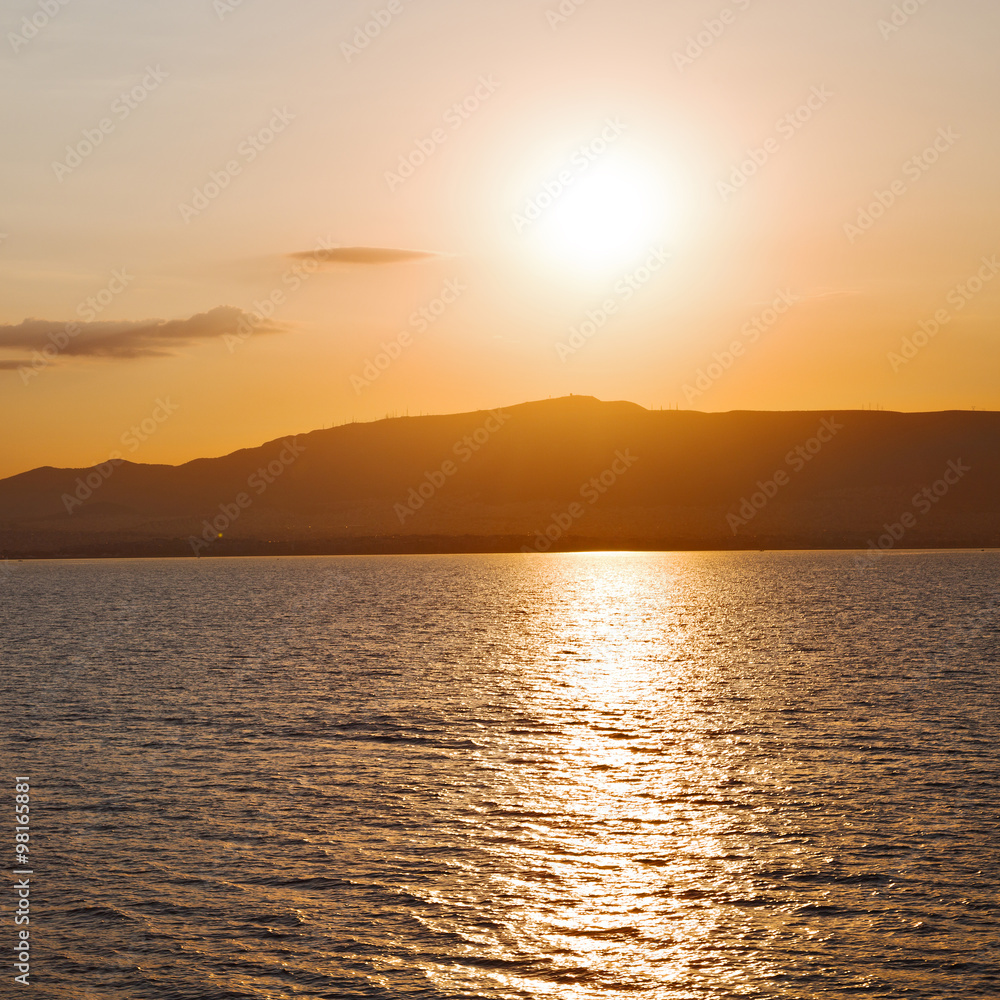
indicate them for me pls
(552, 475)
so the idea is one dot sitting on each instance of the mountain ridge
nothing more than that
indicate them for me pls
(499, 477)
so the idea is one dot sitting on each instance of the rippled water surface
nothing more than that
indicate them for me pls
(610, 775)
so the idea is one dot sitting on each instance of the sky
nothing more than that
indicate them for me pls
(224, 221)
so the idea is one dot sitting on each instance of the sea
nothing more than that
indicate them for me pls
(674, 776)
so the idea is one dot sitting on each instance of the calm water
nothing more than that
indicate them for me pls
(657, 776)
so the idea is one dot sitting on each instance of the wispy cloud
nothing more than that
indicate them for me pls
(124, 339)
(364, 255)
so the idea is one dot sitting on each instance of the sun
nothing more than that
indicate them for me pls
(605, 219)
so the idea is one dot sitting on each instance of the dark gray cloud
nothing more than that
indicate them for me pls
(125, 339)
(363, 255)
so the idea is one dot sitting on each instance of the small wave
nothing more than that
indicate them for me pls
(100, 911)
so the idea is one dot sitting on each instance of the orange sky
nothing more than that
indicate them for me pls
(717, 206)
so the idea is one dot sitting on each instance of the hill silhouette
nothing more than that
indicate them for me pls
(568, 473)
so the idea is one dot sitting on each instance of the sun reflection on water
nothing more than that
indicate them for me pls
(622, 795)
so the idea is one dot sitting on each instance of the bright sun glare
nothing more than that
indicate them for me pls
(605, 220)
